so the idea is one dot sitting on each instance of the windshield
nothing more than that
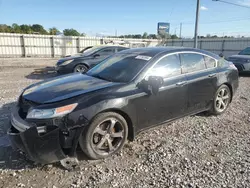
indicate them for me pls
(92, 50)
(245, 51)
(119, 67)
(86, 49)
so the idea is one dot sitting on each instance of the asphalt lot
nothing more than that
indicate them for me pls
(197, 151)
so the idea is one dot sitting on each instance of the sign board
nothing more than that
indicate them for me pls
(163, 28)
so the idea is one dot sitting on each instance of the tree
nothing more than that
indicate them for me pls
(174, 36)
(83, 34)
(152, 36)
(71, 32)
(138, 36)
(16, 28)
(208, 36)
(39, 29)
(164, 36)
(26, 29)
(53, 31)
(145, 35)
(5, 28)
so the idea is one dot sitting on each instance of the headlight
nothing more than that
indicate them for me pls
(51, 113)
(66, 62)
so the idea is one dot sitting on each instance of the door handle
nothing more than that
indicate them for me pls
(181, 83)
(212, 75)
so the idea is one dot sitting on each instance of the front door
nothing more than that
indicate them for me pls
(171, 100)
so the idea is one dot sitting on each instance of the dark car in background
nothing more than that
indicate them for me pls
(81, 51)
(124, 95)
(242, 60)
(88, 59)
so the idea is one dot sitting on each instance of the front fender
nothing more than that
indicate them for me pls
(111, 105)
(118, 105)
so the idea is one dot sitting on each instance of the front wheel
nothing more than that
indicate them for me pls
(105, 136)
(80, 68)
(221, 101)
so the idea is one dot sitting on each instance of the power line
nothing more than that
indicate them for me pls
(239, 5)
(221, 21)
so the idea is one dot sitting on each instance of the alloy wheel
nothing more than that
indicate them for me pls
(222, 99)
(80, 68)
(108, 136)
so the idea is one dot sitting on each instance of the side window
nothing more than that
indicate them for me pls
(108, 51)
(192, 62)
(222, 62)
(210, 62)
(167, 67)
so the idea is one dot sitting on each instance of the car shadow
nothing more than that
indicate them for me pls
(244, 74)
(42, 73)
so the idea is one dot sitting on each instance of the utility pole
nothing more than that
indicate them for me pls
(180, 29)
(197, 24)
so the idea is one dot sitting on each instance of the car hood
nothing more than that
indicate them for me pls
(64, 87)
(239, 57)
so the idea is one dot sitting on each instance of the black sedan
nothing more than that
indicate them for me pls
(242, 60)
(127, 93)
(88, 59)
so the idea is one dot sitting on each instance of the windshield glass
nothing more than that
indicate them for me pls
(245, 51)
(92, 50)
(86, 49)
(119, 67)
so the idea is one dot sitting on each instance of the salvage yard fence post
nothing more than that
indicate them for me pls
(52, 46)
(78, 45)
(23, 45)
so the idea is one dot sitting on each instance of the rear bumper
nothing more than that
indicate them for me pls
(40, 146)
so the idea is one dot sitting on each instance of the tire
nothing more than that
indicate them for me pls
(221, 100)
(80, 68)
(105, 136)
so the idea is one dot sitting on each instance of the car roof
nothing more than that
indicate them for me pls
(107, 46)
(153, 51)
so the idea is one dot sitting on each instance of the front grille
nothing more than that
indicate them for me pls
(24, 106)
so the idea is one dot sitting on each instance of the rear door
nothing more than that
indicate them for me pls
(202, 80)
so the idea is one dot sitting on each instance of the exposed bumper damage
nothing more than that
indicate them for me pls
(46, 144)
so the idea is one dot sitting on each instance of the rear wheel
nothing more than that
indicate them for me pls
(81, 68)
(221, 100)
(105, 136)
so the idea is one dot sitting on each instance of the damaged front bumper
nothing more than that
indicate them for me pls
(41, 144)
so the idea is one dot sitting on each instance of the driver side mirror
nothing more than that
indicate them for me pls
(152, 84)
(96, 55)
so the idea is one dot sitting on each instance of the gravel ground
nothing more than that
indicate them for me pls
(196, 151)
